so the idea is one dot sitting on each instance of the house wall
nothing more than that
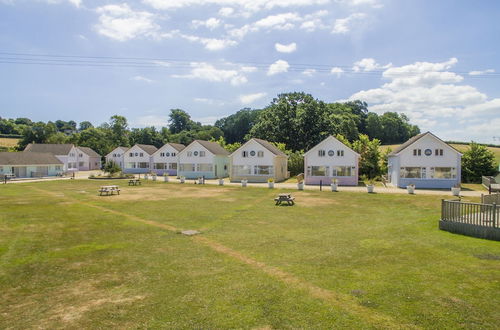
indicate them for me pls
(280, 164)
(127, 158)
(29, 171)
(157, 158)
(450, 158)
(117, 158)
(70, 161)
(219, 163)
(350, 159)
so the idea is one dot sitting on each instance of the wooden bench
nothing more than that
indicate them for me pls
(282, 198)
(109, 190)
(134, 182)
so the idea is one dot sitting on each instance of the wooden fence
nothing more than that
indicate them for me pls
(473, 219)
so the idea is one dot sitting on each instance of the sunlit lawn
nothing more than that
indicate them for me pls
(335, 260)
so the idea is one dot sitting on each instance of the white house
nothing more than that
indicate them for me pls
(29, 164)
(137, 159)
(164, 160)
(257, 161)
(66, 153)
(88, 159)
(116, 156)
(331, 159)
(203, 159)
(425, 161)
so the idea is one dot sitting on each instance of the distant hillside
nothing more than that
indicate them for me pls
(459, 146)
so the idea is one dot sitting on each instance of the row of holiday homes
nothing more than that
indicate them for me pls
(425, 161)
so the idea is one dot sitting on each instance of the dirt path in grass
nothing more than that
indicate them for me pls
(344, 302)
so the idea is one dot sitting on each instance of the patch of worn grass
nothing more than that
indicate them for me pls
(8, 142)
(333, 260)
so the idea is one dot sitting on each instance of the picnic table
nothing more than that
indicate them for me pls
(134, 182)
(109, 190)
(286, 197)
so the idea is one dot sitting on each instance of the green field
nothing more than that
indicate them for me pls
(72, 259)
(8, 142)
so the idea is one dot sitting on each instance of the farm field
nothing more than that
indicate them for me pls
(8, 142)
(460, 147)
(73, 259)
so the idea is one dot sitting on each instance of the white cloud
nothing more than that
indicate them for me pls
(344, 25)
(431, 96)
(212, 44)
(309, 72)
(121, 23)
(283, 21)
(226, 11)
(478, 73)
(208, 101)
(290, 48)
(371, 3)
(248, 69)
(279, 66)
(152, 120)
(143, 79)
(210, 23)
(244, 5)
(337, 71)
(369, 64)
(250, 98)
(205, 71)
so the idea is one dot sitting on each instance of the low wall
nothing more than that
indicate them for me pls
(327, 180)
(470, 230)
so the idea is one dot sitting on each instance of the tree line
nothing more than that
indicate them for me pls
(294, 121)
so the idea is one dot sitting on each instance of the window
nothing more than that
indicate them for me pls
(142, 154)
(417, 152)
(172, 166)
(239, 170)
(260, 154)
(331, 153)
(412, 172)
(80, 155)
(245, 154)
(57, 168)
(263, 170)
(195, 153)
(173, 154)
(321, 153)
(205, 167)
(143, 165)
(202, 153)
(80, 164)
(167, 154)
(252, 153)
(443, 172)
(340, 153)
(162, 154)
(130, 165)
(131, 155)
(438, 152)
(136, 154)
(318, 170)
(189, 153)
(159, 166)
(341, 171)
(187, 167)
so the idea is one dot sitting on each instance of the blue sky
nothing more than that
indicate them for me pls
(436, 61)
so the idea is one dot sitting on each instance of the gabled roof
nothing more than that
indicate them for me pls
(28, 158)
(415, 139)
(122, 149)
(213, 147)
(147, 148)
(334, 138)
(89, 152)
(269, 146)
(177, 146)
(55, 149)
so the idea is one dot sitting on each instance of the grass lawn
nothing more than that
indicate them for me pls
(72, 259)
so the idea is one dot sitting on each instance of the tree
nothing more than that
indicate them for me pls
(180, 121)
(374, 126)
(84, 125)
(118, 131)
(476, 162)
(369, 163)
(238, 125)
(111, 167)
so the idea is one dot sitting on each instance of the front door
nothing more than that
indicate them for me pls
(19, 172)
(215, 170)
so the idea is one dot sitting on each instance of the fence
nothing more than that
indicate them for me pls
(491, 199)
(472, 219)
